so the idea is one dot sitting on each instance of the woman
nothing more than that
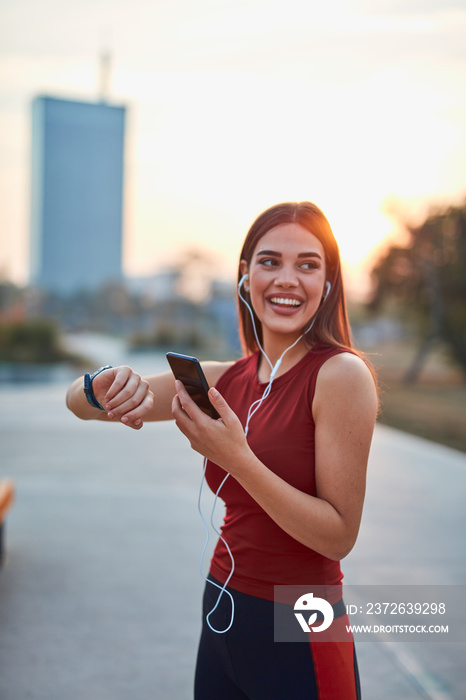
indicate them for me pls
(296, 419)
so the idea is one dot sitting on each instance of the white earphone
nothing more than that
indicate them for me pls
(252, 410)
(242, 281)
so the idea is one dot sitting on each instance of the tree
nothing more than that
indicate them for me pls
(30, 341)
(427, 281)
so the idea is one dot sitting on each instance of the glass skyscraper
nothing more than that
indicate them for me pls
(76, 194)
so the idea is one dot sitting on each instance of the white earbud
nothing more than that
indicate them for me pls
(328, 287)
(242, 280)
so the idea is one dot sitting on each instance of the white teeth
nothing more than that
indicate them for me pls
(285, 302)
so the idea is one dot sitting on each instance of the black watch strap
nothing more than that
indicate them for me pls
(89, 392)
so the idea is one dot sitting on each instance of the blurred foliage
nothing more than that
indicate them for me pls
(425, 283)
(31, 341)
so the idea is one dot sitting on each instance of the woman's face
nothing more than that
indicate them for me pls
(286, 279)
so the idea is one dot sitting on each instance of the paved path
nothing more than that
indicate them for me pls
(100, 595)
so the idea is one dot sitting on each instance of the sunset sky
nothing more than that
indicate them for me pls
(234, 105)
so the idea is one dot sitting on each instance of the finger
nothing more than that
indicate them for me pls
(135, 400)
(189, 406)
(219, 403)
(135, 418)
(182, 420)
(126, 399)
(121, 376)
(137, 425)
(178, 412)
(122, 391)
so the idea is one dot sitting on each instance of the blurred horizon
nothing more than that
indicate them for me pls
(234, 106)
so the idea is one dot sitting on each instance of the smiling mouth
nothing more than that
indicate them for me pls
(280, 301)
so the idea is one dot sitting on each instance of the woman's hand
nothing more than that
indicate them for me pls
(124, 395)
(222, 441)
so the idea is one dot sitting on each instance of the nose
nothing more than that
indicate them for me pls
(286, 277)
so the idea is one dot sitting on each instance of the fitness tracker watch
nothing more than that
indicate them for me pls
(88, 379)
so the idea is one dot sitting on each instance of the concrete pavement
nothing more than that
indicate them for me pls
(100, 596)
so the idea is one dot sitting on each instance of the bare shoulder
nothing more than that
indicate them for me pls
(347, 367)
(214, 370)
(345, 378)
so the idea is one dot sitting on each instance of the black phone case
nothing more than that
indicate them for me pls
(189, 371)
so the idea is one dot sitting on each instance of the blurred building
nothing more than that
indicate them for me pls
(76, 194)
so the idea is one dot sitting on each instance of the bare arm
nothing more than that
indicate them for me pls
(344, 412)
(129, 398)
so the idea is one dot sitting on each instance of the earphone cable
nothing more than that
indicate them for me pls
(223, 589)
(254, 407)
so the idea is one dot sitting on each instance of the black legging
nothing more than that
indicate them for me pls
(246, 664)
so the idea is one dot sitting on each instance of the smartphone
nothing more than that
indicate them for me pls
(189, 371)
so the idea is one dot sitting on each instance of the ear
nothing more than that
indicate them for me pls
(243, 266)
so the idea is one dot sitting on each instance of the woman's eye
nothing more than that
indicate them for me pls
(273, 262)
(268, 262)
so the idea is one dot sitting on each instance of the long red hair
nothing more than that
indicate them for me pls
(331, 326)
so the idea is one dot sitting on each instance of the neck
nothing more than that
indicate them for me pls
(282, 349)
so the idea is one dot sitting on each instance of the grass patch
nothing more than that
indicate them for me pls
(431, 412)
(432, 408)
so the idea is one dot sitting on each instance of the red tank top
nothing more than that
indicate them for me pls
(281, 434)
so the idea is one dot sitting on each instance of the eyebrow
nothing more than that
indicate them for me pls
(311, 254)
